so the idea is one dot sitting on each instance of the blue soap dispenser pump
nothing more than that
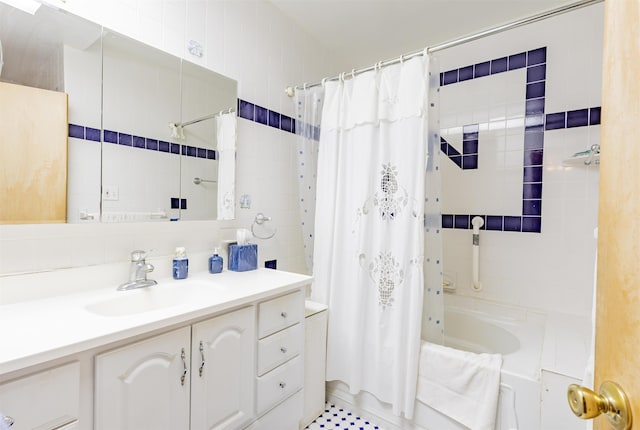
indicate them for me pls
(180, 264)
(215, 262)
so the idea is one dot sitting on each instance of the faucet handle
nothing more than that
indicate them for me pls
(138, 256)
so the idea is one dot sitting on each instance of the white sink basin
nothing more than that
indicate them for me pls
(143, 300)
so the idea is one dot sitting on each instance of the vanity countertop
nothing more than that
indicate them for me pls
(38, 331)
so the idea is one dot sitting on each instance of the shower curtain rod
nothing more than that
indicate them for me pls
(454, 42)
(204, 118)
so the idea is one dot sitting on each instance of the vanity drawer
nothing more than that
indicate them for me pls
(279, 384)
(45, 400)
(280, 313)
(285, 416)
(279, 347)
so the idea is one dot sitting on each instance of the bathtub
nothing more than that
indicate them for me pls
(477, 326)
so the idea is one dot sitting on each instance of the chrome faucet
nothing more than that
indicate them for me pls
(138, 272)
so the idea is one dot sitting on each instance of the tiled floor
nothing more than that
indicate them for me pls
(335, 417)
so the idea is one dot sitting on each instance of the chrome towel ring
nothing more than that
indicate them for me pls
(260, 219)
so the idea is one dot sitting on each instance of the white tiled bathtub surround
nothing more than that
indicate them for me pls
(551, 270)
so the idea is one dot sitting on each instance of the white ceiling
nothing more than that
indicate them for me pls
(362, 32)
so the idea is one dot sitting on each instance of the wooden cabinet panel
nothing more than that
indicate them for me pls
(33, 155)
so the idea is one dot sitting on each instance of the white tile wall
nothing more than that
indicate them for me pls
(253, 42)
(250, 41)
(552, 270)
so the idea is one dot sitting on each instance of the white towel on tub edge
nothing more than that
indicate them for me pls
(462, 385)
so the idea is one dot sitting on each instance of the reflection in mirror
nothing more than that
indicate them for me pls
(109, 153)
(205, 97)
(50, 78)
(159, 120)
(140, 158)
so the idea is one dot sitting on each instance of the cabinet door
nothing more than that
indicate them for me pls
(46, 400)
(145, 385)
(223, 378)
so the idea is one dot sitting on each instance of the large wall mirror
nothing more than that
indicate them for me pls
(140, 138)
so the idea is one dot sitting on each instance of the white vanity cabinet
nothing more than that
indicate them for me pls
(144, 385)
(228, 355)
(198, 377)
(48, 400)
(222, 375)
(280, 367)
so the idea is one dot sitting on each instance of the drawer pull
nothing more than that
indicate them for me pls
(201, 370)
(283, 314)
(283, 384)
(184, 367)
(283, 350)
(7, 420)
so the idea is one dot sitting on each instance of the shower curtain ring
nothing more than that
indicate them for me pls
(353, 73)
(304, 86)
(324, 80)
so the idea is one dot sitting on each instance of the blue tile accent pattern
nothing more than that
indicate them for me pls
(140, 142)
(469, 157)
(335, 417)
(573, 118)
(178, 203)
(255, 113)
(536, 123)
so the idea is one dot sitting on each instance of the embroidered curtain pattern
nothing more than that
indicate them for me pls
(370, 229)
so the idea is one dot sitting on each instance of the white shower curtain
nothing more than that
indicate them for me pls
(308, 115)
(226, 136)
(368, 262)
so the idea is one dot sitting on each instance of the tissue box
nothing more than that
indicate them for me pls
(243, 257)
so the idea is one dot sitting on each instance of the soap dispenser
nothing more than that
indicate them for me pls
(180, 264)
(215, 262)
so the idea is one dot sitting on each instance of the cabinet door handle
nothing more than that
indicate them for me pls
(7, 420)
(184, 367)
(283, 384)
(201, 370)
(283, 314)
(283, 350)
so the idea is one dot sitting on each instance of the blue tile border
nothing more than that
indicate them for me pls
(140, 142)
(536, 124)
(178, 203)
(468, 160)
(574, 118)
(253, 112)
(534, 60)
(246, 110)
(530, 219)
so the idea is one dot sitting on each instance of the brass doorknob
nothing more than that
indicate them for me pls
(611, 401)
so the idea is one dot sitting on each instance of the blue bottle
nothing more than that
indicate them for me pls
(180, 264)
(215, 262)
